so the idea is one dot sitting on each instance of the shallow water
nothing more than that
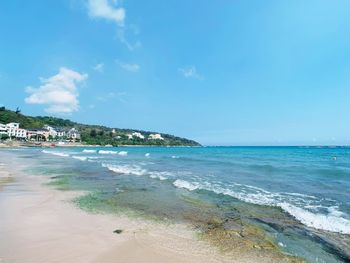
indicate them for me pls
(299, 196)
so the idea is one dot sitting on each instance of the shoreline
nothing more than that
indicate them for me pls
(18, 144)
(48, 227)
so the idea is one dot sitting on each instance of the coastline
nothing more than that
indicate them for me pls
(48, 227)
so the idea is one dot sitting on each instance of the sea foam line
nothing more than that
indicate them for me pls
(125, 169)
(81, 158)
(89, 151)
(107, 152)
(56, 153)
(332, 222)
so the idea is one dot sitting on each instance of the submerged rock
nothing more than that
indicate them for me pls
(118, 231)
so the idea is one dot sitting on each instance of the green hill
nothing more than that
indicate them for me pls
(93, 134)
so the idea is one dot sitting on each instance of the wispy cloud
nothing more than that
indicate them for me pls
(106, 10)
(191, 72)
(122, 38)
(131, 67)
(99, 67)
(59, 92)
(112, 95)
(110, 10)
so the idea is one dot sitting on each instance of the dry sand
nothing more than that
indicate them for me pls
(39, 224)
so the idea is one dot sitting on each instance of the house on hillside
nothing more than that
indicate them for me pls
(156, 136)
(138, 135)
(12, 130)
(60, 132)
(52, 131)
(38, 134)
(3, 130)
(73, 134)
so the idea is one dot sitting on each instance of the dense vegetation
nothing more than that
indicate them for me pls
(92, 134)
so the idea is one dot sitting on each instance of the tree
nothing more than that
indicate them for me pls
(3, 136)
(93, 133)
(18, 111)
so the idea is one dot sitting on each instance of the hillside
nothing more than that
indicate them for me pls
(93, 134)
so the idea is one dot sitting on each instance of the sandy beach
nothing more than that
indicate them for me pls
(38, 224)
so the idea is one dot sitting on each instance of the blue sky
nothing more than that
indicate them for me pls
(220, 72)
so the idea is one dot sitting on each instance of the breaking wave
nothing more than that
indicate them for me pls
(56, 153)
(107, 152)
(288, 202)
(81, 158)
(89, 151)
(125, 169)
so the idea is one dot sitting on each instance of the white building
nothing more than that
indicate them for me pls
(12, 128)
(21, 133)
(52, 131)
(138, 135)
(3, 129)
(60, 132)
(73, 134)
(156, 136)
(129, 136)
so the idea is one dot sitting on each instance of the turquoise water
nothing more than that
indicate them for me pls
(299, 196)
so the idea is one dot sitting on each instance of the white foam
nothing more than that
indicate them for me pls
(125, 169)
(147, 154)
(160, 177)
(319, 221)
(333, 221)
(81, 158)
(123, 153)
(89, 151)
(185, 184)
(107, 152)
(175, 157)
(61, 154)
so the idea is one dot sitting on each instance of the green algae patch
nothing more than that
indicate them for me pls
(196, 202)
(5, 181)
(244, 238)
(60, 182)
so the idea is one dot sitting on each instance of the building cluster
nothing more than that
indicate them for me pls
(47, 133)
(138, 135)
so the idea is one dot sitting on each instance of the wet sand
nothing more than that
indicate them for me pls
(40, 224)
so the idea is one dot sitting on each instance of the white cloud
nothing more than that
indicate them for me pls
(126, 42)
(59, 92)
(110, 10)
(113, 96)
(191, 72)
(106, 10)
(99, 67)
(131, 67)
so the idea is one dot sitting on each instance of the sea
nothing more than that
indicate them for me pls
(298, 196)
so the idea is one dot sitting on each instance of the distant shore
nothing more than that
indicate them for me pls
(18, 144)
